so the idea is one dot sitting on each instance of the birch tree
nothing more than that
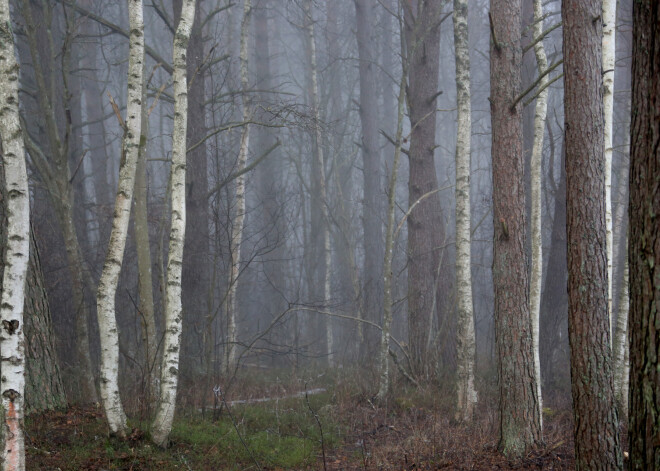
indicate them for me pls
(536, 275)
(162, 424)
(239, 196)
(609, 50)
(107, 290)
(320, 171)
(597, 443)
(467, 395)
(12, 343)
(644, 240)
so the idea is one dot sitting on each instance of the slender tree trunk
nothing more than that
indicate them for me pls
(12, 346)
(239, 196)
(467, 395)
(383, 356)
(143, 247)
(644, 242)
(162, 424)
(371, 167)
(609, 50)
(597, 444)
(620, 343)
(520, 427)
(320, 176)
(536, 276)
(107, 289)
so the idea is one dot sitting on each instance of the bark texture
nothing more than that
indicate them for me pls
(536, 276)
(644, 240)
(465, 341)
(520, 426)
(16, 256)
(597, 444)
(162, 424)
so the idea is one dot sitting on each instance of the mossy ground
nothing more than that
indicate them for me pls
(413, 430)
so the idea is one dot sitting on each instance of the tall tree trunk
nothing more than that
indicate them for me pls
(620, 343)
(239, 198)
(520, 426)
(16, 256)
(383, 356)
(536, 276)
(162, 424)
(609, 50)
(371, 167)
(467, 395)
(143, 248)
(196, 266)
(425, 227)
(644, 241)
(597, 444)
(107, 289)
(319, 177)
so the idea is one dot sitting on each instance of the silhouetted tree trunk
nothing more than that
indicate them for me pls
(372, 206)
(597, 444)
(644, 241)
(519, 410)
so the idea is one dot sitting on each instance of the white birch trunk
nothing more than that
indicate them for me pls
(107, 290)
(621, 367)
(536, 277)
(12, 347)
(239, 217)
(383, 354)
(467, 395)
(320, 177)
(173, 314)
(609, 43)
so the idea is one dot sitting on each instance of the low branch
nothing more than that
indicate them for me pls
(536, 82)
(234, 176)
(540, 90)
(541, 37)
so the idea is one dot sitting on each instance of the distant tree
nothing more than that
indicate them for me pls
(644, 243)
(520, 427)
(597, 444)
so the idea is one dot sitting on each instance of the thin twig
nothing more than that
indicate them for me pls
(318, 422)
(536, 82)
(218, 392)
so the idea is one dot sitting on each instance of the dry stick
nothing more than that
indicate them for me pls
(540, 90)
(318, 422)
(541, 37)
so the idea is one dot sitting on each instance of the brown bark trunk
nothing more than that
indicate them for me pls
(644, 245)
(519, 412)
(425, 226)
(597, 444)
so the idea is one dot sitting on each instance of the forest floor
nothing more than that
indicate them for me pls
(338, 429)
